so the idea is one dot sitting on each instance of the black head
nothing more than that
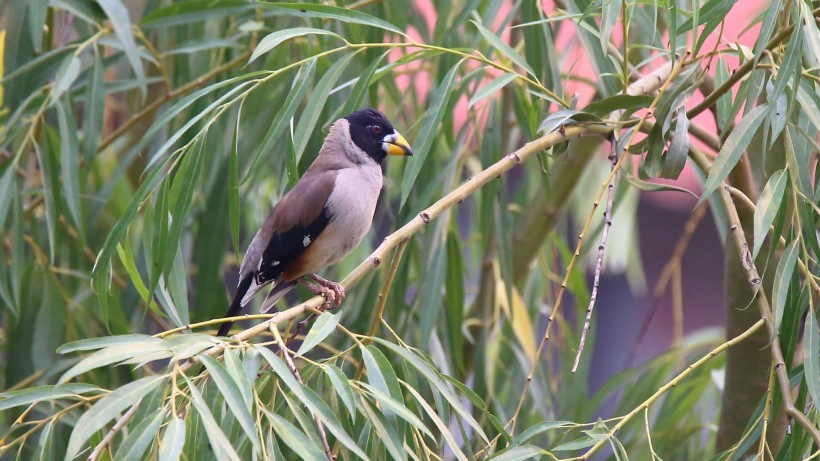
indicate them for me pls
(372, 132)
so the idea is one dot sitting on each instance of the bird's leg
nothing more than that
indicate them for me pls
(337, 288)
(328, 293)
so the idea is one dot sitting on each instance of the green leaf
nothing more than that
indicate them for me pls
(305, 129)
(342, 386)
(626, 102)
(224, 99)
(121, 23)
(564, 117)
(724, 102)
(93, 108)
(6, 184)
(173, 440)
(324, 325)
(732, 149)
(495, 85)
(233, 187)
(91, 344)
(429, 124)
(675, 158)
(106, 409)
(229, 389)
(444, 430)
(283, 117)
(710, 15)
(385, 431)
(43, 394)
(140, 438)
(118, 231)
(70, 163)
(520, 453)
(610, 10)
(505, 49)
(295, 439)
(313, 401)
(397, 408)
(182, 193)
(767, 206)
(789, 63)
(219, 442)
(354, 100)
(66, 76)
(782, 280)
(307, 10)
(273, 40)
(193, 11)
(655, 187)
(538, 429)
(811, 356)
(116, 354)
(436, 382)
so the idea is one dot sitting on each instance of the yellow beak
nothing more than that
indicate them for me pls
(395, 144)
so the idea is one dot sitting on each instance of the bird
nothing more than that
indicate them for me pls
(323, 217)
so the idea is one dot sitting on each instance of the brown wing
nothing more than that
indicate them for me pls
(296, 220)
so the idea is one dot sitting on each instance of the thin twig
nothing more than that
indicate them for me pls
(671, 384)
(673, 262)
(111, 433)
(748, 265)
(320, 428)
(599, 262)
(556, 307)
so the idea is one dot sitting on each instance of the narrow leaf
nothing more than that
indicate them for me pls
(322, 327)
(218, 440)
(121, 23)
(308, 10)
(272, 40)
(782, 280)
(520, 453)
(495, 85)
(767, 206)
(43, 394)
(811, 357)
(426, 135)
(316, 102)
(173, 440)
(233, 397)
(106, 409)
(140, 438)
(505, 49)
(732, 149)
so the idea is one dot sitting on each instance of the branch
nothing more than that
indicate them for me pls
(753, 277)
(666, 387)
(111, 433)
(492, 172)
(599, 262)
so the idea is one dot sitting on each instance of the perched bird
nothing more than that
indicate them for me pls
(324, 216)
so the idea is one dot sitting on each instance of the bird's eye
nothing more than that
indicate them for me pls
(375, 129)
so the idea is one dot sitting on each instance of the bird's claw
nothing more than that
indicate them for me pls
(333, 292)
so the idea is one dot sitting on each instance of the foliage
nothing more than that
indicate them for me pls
(142, 143)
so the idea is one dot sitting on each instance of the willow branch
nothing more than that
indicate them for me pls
(671, 384)
(457, 195)
(111, 433)
(599, 261)
(753, 277)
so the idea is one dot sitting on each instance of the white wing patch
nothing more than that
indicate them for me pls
(306, 241)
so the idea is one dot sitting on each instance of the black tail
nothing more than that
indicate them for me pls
(236, 305)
